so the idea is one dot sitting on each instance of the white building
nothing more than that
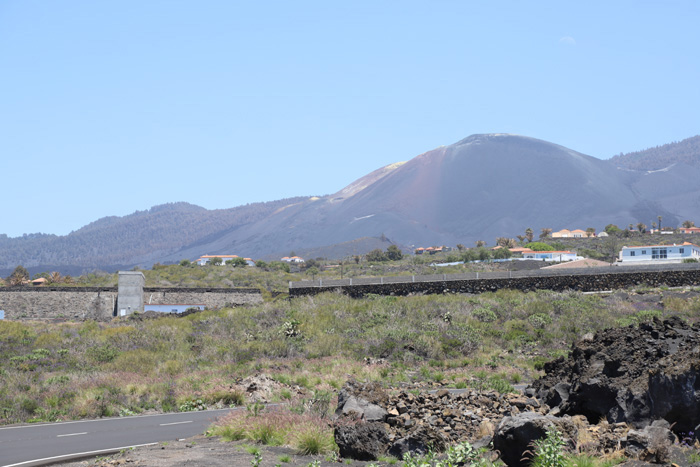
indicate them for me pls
(659, 253)
(551, 255)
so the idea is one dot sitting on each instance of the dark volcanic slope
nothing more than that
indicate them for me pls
(480, 188)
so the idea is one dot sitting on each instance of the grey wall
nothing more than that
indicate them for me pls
(581, 282)
(80, 303)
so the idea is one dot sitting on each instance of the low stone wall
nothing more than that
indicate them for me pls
(212, 298)
(81, 303)
(70, 303)
(580, 282)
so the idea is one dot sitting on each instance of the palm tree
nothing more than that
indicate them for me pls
(529, 234)
(590, 231)
(480, 243)
(55, 277)
(641, 227)
(506, 242)
(659, 222)
(545, 232)
(688, 224)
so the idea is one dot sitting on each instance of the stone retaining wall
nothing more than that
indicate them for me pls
(99, 303)
(580, 282)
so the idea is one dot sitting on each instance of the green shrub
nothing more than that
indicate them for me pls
(485, 315)
(549, 451)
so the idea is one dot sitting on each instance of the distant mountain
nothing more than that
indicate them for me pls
(480, 188)
(141, 238)
(685, 152)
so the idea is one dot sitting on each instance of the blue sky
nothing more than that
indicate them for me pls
(115, 106)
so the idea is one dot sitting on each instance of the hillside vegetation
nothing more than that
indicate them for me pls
(659, 157)
(309, 346)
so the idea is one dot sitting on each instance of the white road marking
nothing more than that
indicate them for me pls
(34, 425)
(175, 423)
(72, 434)
(78, 454)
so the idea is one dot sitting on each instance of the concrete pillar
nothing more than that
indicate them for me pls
(130, 296)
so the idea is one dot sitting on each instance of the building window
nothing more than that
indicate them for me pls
(681, 251)
(632, 253)
(659, 253)
(644, 252)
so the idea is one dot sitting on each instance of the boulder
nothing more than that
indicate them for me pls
(515, 435)
(362, 401)
(365, 441)
(419, 441)
(651, 444)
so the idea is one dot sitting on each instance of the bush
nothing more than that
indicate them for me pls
(539, 246)
(549, 451)
(485, 315)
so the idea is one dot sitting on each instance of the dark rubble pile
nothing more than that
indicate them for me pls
(372, 424)
(634, 375)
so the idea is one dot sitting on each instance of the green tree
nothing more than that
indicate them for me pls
(18, 277)
(376, 255)
(185, 263)
(539, 246)
(480, 243)
(261, 264)
(688, 224)
(460, 247)
(393, 253)
(313, 272)
(590, 231)
(502, 253)
(237, 262)
(216, 261)
(484, 254)
(612, 229)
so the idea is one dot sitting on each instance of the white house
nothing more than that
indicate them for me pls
(659, 253)
(551, 255)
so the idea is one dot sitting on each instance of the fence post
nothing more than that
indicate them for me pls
(381, 280)
(320, 282)
(413, 278)
(477, 275)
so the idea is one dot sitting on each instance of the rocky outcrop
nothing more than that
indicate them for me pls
(634, 375)
(652, 444)
(371, 423)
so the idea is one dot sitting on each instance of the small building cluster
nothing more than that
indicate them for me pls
(205, 259)
(292, 259)
(576, 233)
(431, 250)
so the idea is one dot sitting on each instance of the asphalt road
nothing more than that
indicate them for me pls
(30, 445)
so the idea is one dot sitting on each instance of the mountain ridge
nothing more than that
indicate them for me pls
(481, 187)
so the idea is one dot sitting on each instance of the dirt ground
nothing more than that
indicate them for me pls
(201, 451)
